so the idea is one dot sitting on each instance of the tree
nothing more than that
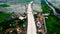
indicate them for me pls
(4, 5)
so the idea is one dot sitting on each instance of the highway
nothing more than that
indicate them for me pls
(31, 27)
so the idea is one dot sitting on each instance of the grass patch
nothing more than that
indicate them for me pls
(53, 25)
(52, 22)
(45, 8)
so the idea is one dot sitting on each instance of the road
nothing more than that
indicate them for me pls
(31, 28)
(54, 11)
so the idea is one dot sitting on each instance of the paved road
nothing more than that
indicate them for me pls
(31, 28)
